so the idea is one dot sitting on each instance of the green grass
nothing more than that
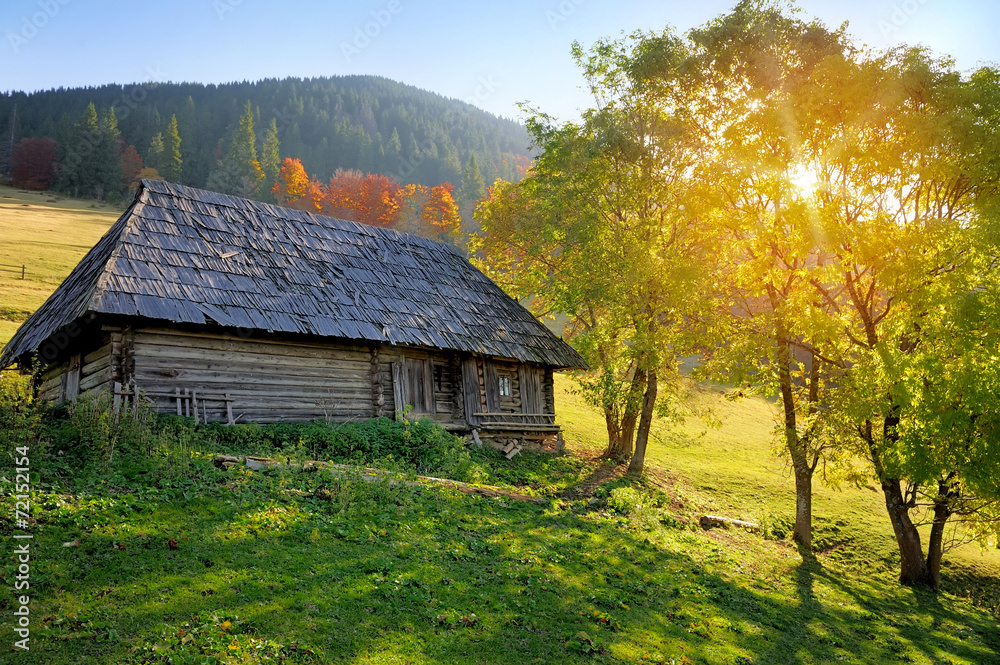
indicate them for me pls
(49, 235)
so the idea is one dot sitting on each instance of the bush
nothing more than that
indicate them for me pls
(624, 500)
(19, 414)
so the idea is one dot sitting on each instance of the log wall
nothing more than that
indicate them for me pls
(261, 380)
(266, 380)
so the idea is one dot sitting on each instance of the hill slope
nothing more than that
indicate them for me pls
(368, 123)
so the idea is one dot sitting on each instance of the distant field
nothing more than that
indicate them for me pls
(49, 236)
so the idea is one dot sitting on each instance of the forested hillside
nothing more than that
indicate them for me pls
(366, 123)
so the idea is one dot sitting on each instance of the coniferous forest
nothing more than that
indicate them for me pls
(187, 132)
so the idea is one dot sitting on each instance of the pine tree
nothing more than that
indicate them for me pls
(171, 162)
(154, 157)
(239, 172)
(472, 189)
(110, 175)
(78, 161)
(270, 160)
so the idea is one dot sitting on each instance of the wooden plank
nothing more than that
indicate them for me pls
(96, 366)
(532, 399)
(73, 378)
(95, 380)
(239, 356)
(103, 352)
(428, 379)
(398, 389)
(470, 390)
(491, 381)
(254, 347)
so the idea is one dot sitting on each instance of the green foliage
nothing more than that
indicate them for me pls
(96, 426)
(20, 416)
(421, 446)
(169, 157)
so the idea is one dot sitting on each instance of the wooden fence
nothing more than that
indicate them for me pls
(21, 270)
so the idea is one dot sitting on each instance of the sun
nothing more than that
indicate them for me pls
(804, 179)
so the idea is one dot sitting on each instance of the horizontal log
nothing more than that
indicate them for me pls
(235, 356)
(335, 382)
(255, 346)
(96, 379)
(712, 521)
(96, 365)
(104, 351)
(244, 364)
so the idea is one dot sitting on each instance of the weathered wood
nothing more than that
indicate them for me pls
(712, 521)
(491, 382)
(177, 393)
(96, 365)
(229, 410)
(470, 390)
(95, 380)
(102, 352)
(398, 389)
(72, 385)
(532, 396)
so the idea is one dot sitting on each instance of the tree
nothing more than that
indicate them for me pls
(292, 186)
(429, 212)
(109, 175)
(78, 162)
(907, 198)
(470, 191)
(170, 161)
(270, 160)
(372, 199)
(239, 172)
(602, 231)
(772, 333)
(131, 166)
(154, 155)
(34, 163)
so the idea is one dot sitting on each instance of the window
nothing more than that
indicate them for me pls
(504, 386)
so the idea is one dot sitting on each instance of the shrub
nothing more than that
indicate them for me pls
(624, 500)
(102, 428)
(19, 414)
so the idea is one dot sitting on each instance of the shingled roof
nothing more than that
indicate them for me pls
(191, 256)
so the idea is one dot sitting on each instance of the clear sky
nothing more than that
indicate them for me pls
(493, 54)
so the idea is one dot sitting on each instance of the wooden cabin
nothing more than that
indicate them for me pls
(222, 308)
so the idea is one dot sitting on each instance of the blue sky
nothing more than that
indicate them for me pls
(491, 54)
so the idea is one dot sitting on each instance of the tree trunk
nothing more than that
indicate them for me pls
(620, 434)
(912, 565)
(935, 546)
(645, 422)
(802, 533)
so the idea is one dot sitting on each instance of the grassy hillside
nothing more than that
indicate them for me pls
(49, 236)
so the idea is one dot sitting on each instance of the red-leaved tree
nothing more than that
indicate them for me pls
(33, 164)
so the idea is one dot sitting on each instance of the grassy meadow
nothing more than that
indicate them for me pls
(49, 235)
(157, 556)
